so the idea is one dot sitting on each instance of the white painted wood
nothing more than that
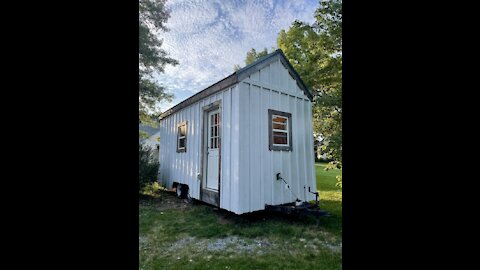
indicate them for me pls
(298, 92)
(244, 147)
(256, 201)
(265, 75)
(235, 148)
(255, 76)
(226, 132)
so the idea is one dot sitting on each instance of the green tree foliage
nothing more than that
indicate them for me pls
(315, 51)
(152, 58)
(142, 134)
(147, 166)
(252, 55)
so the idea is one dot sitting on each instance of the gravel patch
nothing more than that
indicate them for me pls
(231, 244)
(142, 240)
(334, 248)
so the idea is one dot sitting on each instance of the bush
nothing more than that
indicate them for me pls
(147, 167)
(152, 190)
(339, 181)
(321, 159)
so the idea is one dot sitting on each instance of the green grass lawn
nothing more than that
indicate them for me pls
(177, 235)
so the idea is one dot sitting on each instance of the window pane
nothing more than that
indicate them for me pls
(279, 138)
(280, 134)
(279, 119)
(183, 130)
(181, 143)
(279, 126)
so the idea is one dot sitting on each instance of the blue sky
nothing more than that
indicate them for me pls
(208, 37)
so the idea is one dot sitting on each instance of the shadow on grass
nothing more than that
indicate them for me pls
(205, 221)
(329, 188)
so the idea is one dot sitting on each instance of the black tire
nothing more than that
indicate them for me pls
(180, 191)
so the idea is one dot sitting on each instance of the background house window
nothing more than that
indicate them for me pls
(182, 137)
(280, 130)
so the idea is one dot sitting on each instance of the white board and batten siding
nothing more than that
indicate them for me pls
(247, 167)
(273, 88)
(185, 167)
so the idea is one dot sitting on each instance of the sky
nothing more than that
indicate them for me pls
(208, 37)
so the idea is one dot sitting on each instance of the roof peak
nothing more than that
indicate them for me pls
(236, 77)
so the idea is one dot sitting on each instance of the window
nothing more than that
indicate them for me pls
(182, 137)
(214, 131)
(280, 130)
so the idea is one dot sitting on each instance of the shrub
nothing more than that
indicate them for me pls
(339, 181)
(152, 190)
(147, 167)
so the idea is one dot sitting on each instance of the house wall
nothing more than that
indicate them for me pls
(273, 88)
(248, 167)
(184, 167)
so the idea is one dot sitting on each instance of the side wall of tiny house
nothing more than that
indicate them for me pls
(273, 88)
(185, 167)
(247, 167)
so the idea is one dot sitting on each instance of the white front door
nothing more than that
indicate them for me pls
(213, 147)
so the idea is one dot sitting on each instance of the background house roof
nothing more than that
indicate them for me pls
(148, 129)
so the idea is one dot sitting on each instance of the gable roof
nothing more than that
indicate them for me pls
(239, 75)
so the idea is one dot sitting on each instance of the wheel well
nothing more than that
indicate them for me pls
(185, 186)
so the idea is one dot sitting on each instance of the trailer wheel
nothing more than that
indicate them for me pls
(190, 200)
(180, 190)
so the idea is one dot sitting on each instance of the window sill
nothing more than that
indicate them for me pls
(280, 148)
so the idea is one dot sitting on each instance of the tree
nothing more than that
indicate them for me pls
(315, 52)
(147, 166)
(252, 55)
(152, 58)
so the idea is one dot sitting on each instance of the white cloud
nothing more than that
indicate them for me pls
(209, 37)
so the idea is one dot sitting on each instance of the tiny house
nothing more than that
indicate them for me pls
(243, 143)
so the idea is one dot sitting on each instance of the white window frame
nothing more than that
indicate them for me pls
(286, 131)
